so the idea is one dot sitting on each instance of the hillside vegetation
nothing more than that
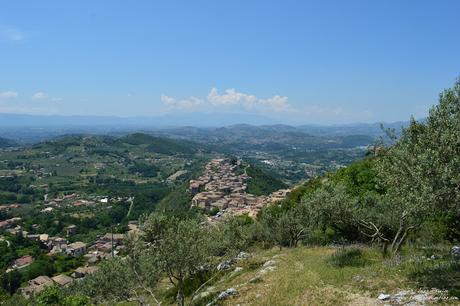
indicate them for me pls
(262, 182)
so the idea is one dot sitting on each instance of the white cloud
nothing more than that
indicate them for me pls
(8, 94)
(40, 95)
(12, 34)
(185, 104)
(230, 99)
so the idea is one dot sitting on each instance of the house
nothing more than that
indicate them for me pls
(83, 271)
(56, 244)
(92, 258)
(33, 237)
(37, 285)
(4, 225)
(44, 238)
(23, 262)
(71, 230)
(58, 248)
(8, 207)
(102, 247)
(47, 210)
(117, 238)
(76, 249)
(9, 223)
(62, 280)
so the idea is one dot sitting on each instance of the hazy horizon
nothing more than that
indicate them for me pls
(163, 121)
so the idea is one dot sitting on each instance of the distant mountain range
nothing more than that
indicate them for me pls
(34, 128)
(180, 119)
(266, 137)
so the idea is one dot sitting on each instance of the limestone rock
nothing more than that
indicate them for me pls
(225, 294)
(383, 296)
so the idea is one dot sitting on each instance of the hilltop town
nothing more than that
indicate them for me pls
(223, 187)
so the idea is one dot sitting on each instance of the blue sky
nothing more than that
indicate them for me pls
(294, 61)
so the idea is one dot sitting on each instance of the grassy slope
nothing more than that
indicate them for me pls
(303, 277)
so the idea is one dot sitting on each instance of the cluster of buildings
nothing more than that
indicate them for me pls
(8, 207)
(77, 200)
(10, 224)
(40, 173)
(223, 186)
(39, 283)
(106, 246)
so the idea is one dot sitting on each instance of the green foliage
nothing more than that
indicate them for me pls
(297, 193)
(180, 248)
(159, 145)
(229, 238)
(112, 282)
(214, 211)
(420, 171)
(346, 257)
(77, 300)
(176, 202)
(261, 182)
(50, 296)
(11, 281)
(332, 206)
(359, 178)
(443, 275)
(54, 296)
(320, 236)
(144, 169)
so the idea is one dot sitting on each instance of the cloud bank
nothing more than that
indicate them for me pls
(39, 96)
(229, 100)
(8, 94)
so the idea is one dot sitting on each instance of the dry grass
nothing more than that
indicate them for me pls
(303, 276)
(309, 276)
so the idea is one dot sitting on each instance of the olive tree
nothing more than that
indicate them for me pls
(331, 206)
(112, 282)
(181, 248)
(421, 171)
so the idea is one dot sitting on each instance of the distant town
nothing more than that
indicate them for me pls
(222, 188)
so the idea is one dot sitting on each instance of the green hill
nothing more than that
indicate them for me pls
(158, 144)
(262, 182)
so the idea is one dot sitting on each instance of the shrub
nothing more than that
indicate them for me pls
(347, 257)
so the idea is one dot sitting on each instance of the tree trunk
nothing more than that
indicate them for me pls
(400, 242)
(180, 294)
(385, 248)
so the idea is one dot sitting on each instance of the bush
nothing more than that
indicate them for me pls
(321, 237)
(347, 257)
(443, 275)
